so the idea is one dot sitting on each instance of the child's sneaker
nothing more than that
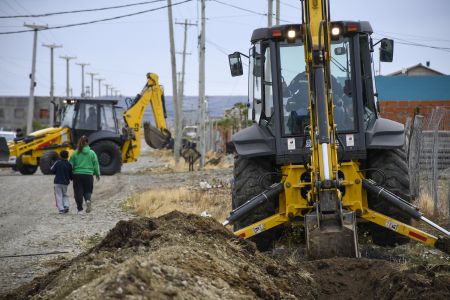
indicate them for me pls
(66, 210)
(61, 211)
(80, 212)
(88, 206)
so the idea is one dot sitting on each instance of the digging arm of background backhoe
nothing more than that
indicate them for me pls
(151, 94)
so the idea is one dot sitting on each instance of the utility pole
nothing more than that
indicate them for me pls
(111, 93)
(52, 86)
(201, 85)
(107, 88)
(82, 65)
(99, 85)
(67, 58)
(30, 113)
(92, 82)
(277, 12)
(269, 13)
(177, 115)
(179, 125)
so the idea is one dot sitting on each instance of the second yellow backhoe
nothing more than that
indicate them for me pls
(114, 135)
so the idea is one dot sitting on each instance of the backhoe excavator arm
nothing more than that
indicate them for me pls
(156, 137)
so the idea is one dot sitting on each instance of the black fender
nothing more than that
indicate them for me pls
(385, 134)
(254, 141)
(105, 135)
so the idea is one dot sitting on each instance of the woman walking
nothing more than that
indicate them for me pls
(85, 165)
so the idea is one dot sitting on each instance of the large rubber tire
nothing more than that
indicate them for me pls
(109, 157)
(246, 184)
(393, 164)
(47, 160)
(25, 169)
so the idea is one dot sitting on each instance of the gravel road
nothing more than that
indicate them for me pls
(30, 223)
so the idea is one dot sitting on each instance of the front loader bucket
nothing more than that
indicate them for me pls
(154, 137)
(331, 236)
(4, 150)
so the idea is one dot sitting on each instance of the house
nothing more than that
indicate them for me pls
(14, 109)
(417, 70)
(417, 89)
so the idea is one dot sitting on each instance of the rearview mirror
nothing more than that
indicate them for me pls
(339, 51)
(235, 64)
(386, 50)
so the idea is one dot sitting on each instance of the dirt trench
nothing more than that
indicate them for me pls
(184, 256)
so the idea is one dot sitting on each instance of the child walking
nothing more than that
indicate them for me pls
(63, 174)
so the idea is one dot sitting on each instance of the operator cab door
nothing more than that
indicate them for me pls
(87, 120)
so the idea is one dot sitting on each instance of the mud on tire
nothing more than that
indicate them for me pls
(109, 157)
(46, 161)
(392, 162)
(247, 174)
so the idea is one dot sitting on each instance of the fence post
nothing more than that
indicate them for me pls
(414, 156)
(434, 184)
(407, 135)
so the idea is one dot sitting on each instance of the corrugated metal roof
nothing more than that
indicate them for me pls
(413, 88)
(418, 66)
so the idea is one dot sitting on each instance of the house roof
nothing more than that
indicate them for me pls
(418, 66)
(413, 88)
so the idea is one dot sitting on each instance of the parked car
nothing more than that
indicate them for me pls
(9, 135)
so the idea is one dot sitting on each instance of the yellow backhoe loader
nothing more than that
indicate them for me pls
(113, 135)
(318, 153)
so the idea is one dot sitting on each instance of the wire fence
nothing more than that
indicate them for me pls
(428, 148)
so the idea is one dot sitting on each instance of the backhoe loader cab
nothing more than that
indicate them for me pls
(278, 95)
(88, 116)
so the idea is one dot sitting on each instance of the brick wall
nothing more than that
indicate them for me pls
(400, 110)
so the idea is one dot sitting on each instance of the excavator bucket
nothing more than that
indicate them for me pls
(330, 230)
(154, 137)
(333, 237)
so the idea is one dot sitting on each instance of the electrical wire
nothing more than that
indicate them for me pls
(100, 20)
(411, 43)
(79, 11)
(246, 10)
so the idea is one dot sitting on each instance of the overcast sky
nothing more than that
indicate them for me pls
(123, 51)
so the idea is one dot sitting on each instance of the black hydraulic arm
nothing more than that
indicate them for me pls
(401, 204)
(246, 208)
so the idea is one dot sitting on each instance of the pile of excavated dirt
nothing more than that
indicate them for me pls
(182, 256)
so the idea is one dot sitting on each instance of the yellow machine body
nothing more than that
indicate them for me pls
(28, 150)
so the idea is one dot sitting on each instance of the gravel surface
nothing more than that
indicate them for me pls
(30, 223)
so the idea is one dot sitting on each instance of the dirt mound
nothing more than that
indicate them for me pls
(182, 256)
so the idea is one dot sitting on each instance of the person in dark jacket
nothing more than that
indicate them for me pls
(63, 174)
(85, 165)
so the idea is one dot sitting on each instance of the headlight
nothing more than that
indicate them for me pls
(291, 34)
(335, 31)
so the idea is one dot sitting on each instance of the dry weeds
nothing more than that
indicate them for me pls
(157, 202)
(425, 204)
(213, 161)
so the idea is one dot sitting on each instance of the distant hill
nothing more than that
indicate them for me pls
(216, 107)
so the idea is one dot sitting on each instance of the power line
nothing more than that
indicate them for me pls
(79, 11)
(246, 10)
(411, 43)
(101, 20)
(422, 37)
(241, 8)
(289, 5)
